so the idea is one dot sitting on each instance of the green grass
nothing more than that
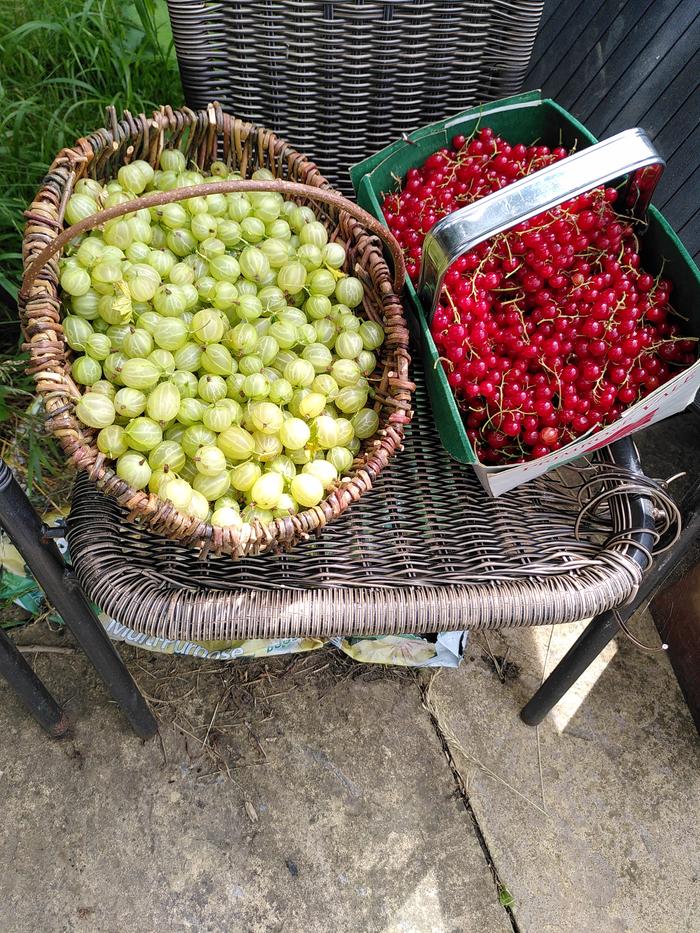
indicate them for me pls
(64, 61)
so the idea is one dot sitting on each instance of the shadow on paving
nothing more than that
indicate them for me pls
(304, 793)
(615, 768)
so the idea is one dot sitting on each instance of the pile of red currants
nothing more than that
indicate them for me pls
(550, 329)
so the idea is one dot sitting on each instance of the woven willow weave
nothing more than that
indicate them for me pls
(341, 80)
(202, 136)
(425, 550)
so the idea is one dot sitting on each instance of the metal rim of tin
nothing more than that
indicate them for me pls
(628, 153)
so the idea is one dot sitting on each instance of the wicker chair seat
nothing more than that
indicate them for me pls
(425, 551)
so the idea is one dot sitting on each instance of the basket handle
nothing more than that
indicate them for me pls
(629, 152)
(156, 198)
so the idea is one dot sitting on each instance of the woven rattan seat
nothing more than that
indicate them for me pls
(425, 550)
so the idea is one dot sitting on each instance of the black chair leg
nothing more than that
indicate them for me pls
(30, 690)
(582, 653)
(41, 554)
(605, 626)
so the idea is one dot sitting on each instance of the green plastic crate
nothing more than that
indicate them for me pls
(526, 118)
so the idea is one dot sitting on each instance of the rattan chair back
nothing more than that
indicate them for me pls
(344, 79)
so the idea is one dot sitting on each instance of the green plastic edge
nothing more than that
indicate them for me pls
(378, 173)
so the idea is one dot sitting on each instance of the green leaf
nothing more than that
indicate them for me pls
(33, 463)
(7, 285)
(5, 410)
(505, 898)
(13, 587)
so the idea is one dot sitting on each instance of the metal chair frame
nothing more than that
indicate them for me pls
(33, 539)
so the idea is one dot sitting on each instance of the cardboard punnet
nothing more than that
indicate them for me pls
(525, 118)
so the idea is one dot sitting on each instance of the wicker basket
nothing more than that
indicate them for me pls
(204, 136)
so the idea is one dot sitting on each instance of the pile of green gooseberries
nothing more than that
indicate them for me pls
(219, 349)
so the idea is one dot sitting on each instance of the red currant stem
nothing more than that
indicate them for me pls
(549, 369)
(658, 277)
(507, 246)
(508, 455)
(501, 411)
(522, 321)
(677, 363)
(599, 382)
(545, 225)
(477, 271)
(483, 427)
(667, 340)
(682, 317)
(474, 131)
(629, 217)
(444, 360)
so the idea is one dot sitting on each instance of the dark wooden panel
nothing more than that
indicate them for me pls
(679, 127)
(559, 17)
(601, 44)
(569, 43)
(682, 165)
(654, 54)
(600, 35)
(621, 63)
(658, 92)
(638, 55)
(613, 62)
(685, 203)
(547, 14)
(690, 236)
(676, 612)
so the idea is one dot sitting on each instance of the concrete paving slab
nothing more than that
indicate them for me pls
(618, 849)
(340, 812)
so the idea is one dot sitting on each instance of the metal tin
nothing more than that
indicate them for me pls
(629, 153)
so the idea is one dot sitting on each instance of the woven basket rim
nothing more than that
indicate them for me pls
(202, 135)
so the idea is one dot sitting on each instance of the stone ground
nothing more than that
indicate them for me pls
(310, 793)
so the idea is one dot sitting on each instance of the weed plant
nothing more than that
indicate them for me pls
(63, 63)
